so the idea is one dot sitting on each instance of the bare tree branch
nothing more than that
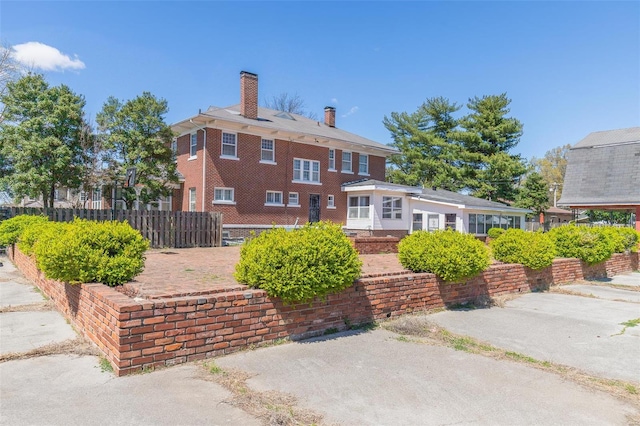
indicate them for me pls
(291, 103)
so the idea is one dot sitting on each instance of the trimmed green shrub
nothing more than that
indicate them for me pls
(592, 245)
(628, 239)
(85, 251)
(298, 266)
(450, 255)
(33, 233)
(495, 232)
(532, 249)
(12, 229)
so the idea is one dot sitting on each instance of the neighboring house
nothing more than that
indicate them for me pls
(381, 208)
(556, 215)
(603, 172)
(261, 167)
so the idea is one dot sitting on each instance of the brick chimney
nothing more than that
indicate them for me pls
(249, 95)
(330, 116)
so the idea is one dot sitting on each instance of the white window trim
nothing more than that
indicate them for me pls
(393, 209)
(193, 156)
(359, 208)
(193, 201)
(228, 157)
(227, 202)
(280, 204)
(289, 199)
(363, 173)
(333, 199)
(273, 151)
(342, 169)
(332, 169)
(306, 182)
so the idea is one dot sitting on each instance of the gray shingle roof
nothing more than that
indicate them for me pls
(443, 196)
(604, 169)
(276, 120)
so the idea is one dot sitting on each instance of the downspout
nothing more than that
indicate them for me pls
(204, 153)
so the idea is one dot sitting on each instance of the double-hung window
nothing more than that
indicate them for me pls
(346, 162)
(229, 146)
(193, 146)
(391, 208)
(96, 199)
(306, 170)
(223, 195)
(274, 198)
(359, 207)
(267, 153)
(192, 199)
(331, 202)
(294, 199)
(363, 164)
(332, 159)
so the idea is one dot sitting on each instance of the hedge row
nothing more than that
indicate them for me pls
(81, 251)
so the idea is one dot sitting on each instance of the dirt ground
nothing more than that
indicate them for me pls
(196, 271)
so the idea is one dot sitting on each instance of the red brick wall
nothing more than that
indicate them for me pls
(375, 245)
(153, 333)
(251, 179)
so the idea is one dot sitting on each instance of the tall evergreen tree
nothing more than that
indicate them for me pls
(487, 136)
(40, 138)
(428, 156)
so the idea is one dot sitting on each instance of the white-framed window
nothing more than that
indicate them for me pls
(96, 198)
(193, 145)
(223, 195)
(174, 149)
(331, 202)
(294, 199)
(346, 162)
(274, 198)
(267, 151)
(363, 164)
(481, 223)
(229, 146)
(359, 207)
(332, 159)
(391, 208)
(192, 199)
(307, 171)
(83, 196)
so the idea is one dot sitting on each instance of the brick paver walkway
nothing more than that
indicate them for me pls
(195, 271)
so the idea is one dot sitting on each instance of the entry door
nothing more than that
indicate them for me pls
(314, 208)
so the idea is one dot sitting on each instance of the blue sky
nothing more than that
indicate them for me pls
(570, 68)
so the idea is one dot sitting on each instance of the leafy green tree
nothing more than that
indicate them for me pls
(486, 137)
(534, 194)
(40, 138)
(428, 156)
(609, 216)
(553, 166)
(135, 135)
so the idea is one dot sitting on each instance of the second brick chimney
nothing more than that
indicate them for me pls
(249, 95)
(330, 116)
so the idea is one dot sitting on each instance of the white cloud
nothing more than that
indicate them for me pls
(40, 56)
(334, 100)
(352, 111)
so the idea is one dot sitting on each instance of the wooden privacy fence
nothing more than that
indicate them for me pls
(175, 229)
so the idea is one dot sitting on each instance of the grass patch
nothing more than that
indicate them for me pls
(32, 307)
(78, 346)
(105, 365)
(628, 324)
(331, 330)
(271, 407)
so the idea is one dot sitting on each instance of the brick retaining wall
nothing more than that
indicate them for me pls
(138, 333)
(375, 245)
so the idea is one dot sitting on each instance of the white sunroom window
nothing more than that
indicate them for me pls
(359, 207)
(391, 208)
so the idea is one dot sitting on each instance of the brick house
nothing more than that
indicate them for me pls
(261, 167)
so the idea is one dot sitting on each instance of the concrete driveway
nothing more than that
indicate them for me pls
(71, 389)
(578, 331)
